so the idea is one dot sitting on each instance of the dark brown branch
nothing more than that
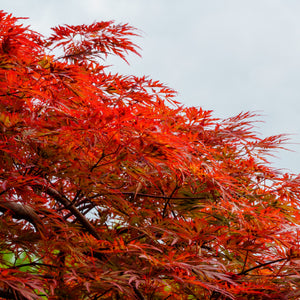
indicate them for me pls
(3, 192)
(68, 205)
(154, 196)
(216, 295)
(245, 261)
(22, 212)
(98, 162)
(33, 264)
(168, 202)
(166, 197)
(262, 265)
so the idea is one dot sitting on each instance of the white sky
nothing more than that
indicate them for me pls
(224, 55)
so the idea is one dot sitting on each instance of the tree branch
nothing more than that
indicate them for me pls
(68, 205)
(22, 212)
(262, 265)
(168, 202)
(155, 196)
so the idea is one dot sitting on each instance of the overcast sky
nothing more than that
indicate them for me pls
(224, 55)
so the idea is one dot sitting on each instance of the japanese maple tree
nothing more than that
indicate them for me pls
(110, 189)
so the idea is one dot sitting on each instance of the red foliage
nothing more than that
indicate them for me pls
(110, 189)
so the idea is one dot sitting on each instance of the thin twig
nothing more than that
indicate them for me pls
(262, 265)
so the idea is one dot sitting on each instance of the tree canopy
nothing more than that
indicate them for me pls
(111, 189)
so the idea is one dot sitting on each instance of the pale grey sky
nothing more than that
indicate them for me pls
(224, 55)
